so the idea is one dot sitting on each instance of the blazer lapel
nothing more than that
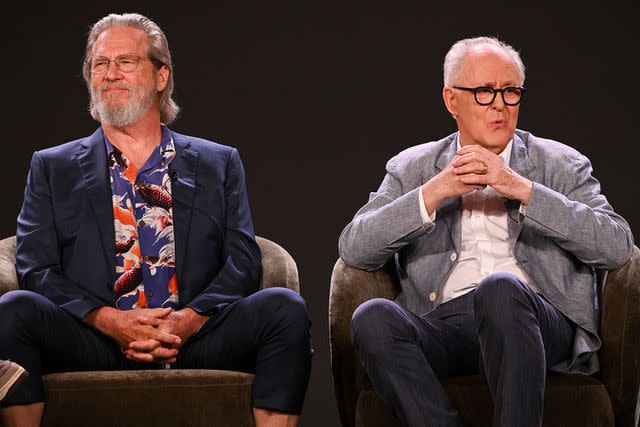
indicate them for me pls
(92, 160)
(522, 164)
(183, 172)
(449, 210)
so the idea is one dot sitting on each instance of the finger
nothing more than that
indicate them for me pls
(139, 356)
(144, 345)
(147, 332)
(165, 338)
(475, 148)
(151, 321)
(452, 162)
(474, 179)
(163, 353)
(160, 355)
(464, 159)
(473, 167)
(158, 312)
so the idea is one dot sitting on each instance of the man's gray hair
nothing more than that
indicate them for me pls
(157, 50)
(454, 59)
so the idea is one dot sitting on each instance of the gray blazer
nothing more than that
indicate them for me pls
(569, 231)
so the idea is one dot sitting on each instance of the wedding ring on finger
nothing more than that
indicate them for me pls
(485, 168)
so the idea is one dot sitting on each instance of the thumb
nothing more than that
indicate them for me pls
(160, 312)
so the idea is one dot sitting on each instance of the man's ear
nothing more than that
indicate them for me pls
(162, 78)
(450, 100)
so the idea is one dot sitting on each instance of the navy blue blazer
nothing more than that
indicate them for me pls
(66, 239)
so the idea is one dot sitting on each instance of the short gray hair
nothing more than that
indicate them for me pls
(455, 57)
(157, 50)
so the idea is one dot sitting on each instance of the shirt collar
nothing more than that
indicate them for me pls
(505, 154)
(166, 148)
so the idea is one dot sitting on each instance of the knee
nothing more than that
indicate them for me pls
(285, 305)
(498, 294)
(375, 322)
(19, 308)
(18, 304)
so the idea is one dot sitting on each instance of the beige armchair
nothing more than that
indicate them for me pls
(570, 400)
(181, 397)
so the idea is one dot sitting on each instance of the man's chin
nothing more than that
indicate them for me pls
(119, 101)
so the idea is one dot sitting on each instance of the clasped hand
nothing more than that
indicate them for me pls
(173, 328)
(148, 334)
(473, 168)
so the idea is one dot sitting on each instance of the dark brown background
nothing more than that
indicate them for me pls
(318, 95)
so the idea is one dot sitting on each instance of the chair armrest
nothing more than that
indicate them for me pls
(351, 287)
(8, 276)
(278, 267)
(620, 330)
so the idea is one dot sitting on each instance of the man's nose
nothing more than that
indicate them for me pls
(498, 101)
(113, 71)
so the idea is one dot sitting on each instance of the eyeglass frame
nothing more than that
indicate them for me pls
(495, 91)
(115, 60)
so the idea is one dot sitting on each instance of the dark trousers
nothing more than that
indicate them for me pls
(502, 329)
(267, 333)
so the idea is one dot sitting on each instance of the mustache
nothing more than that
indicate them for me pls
(107, 85)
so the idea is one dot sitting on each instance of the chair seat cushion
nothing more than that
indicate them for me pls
(185, 397)
(570, 400)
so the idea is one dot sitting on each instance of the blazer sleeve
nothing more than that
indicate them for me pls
(240, 272)
(389, 221)
(578, 218)
(38, 254)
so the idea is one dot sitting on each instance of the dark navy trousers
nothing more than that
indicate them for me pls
(267, 334)
(502, 330)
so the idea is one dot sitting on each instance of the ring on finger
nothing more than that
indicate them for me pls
(485, 168)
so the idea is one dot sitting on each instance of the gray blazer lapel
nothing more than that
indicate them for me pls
(520, 161)
(522, 164)
(183, 170)
(447, 154)
(92, 160)
(449, 210)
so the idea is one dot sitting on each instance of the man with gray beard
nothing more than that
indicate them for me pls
(141, 100)
(135, 247)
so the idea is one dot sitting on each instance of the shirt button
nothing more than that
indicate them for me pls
(453, 257)
(432, 296)
(141, 223)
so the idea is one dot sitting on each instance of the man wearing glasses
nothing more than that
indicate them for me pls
(495, 234)
(136, 250)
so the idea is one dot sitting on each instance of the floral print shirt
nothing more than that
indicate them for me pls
(143, 224)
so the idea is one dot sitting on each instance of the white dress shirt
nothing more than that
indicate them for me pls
(484, 246)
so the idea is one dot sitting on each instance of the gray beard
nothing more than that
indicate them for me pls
(141, 101)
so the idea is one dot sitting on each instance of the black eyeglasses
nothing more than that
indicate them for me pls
(125, 63)
(485, 95)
